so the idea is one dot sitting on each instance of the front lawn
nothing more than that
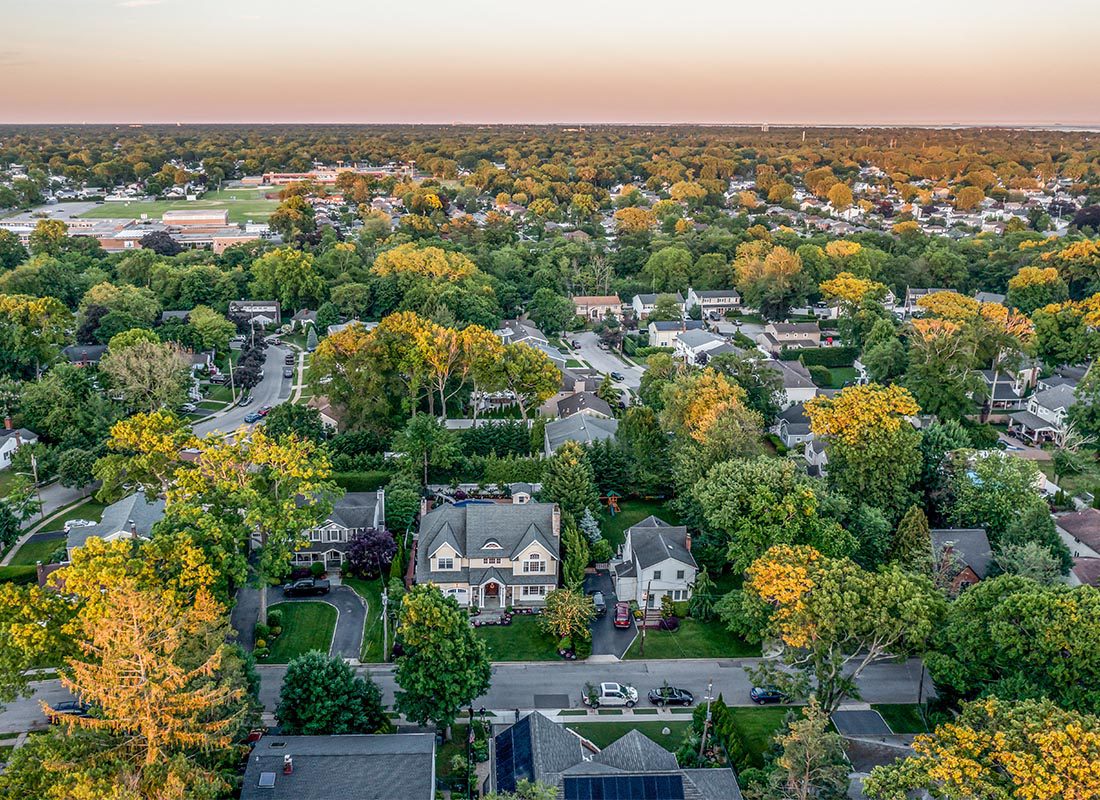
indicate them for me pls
(758, 727)
(602, 734)
(630, 513)
(371, 592)
(306, 626)
(902, 717)
(523, 640)
(92, 509)
(1087, 480)
(37, 549)
(694, 639)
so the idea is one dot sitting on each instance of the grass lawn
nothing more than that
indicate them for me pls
(92, 510)
(242, 204)
(842, 375)
(306, 626)
(602, 734)
(694, 639)
(22, 574)
(1087, 480)
(523, 640)
(758, 727)
(37, 550)
(371, 592)
(8, 477)
(902, 718)
(445, 753)
(631, 512)
(216, 393)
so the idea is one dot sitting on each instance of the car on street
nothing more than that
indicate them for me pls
(288, 359)
(622, 615)
(67, 708)
(288, 372)
(766, 694)
(617, 376)
(599, 603)
(306, 587)
(253, 417)
(246, 400)
(610, 694)
(263, 411)
(670, 696)
(187, 408)
(78, 523)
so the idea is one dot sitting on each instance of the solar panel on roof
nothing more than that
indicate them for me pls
(624, 787)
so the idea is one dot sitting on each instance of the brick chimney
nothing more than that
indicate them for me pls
(133, 528)
(555, 521)
(288, 765)
(423, 506)
(687, 540)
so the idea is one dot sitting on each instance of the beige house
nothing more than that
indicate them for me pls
(491, 555)
(597, 306)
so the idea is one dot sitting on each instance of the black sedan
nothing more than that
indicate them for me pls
(307, 587)
(670, 696)
(766, 694)
(67, 708)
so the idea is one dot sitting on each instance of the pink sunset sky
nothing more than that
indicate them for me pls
(939, 61)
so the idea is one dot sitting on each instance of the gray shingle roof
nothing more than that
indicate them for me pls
(636, 752)
(653, 540)
(583, 401)
(673, 325)
(714, 784)
(971, 545)
(1056, 397)
(352, 767)
(356, 510)
(118, 516)
(582, 428)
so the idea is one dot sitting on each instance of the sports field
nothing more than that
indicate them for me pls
(243, 205)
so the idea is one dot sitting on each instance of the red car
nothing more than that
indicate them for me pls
(622, 615)
(264, 411)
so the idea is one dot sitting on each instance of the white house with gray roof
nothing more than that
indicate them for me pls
(656, 560)
(491, 555)
(1044, 419)
(353, 514)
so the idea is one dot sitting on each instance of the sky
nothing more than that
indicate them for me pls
(487, 61)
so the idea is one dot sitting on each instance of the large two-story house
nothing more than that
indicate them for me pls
(656, 561)
(713, 303)
(491, 555)
(352, 514)
(795, 335)
(1044, 419)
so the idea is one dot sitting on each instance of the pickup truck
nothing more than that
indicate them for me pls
(610, 694)
(307, 587)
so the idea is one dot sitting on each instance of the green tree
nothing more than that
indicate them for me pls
(568, 481)
(990, 489)
(444, 666)
(32, 332)
(568, 616)
(288, 276)
(48, 237)
(669, 269)
(575, 555)
(12, 252)
(402, 503)
(66, 409)
(528, 373)
(212, 330)
(327, 314)
(426, 443)
(290, 419)
(703, 596)
(551, 312)
(812, 764)
(608, 392)
(322, 696)
(646, 448)
(884, 354)
(148, 376)
(912, 546)
(762, 383)
(1035, 527)
(74, 469)
(665, 308)
(660, 370)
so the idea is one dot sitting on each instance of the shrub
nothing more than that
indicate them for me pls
(821, 356)
(261, 644)
(680, 608)
(261, 652)
(670, 624)
(275, 618)
(362, 480)
(316, 569)
(370, 552)
(262, 631)
(821, 376)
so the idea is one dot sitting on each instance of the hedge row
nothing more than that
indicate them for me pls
(822, 356)
(725, 731)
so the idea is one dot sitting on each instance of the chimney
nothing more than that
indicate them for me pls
(687, 540)
(423, 506)
(7, 423)
(133, 529)
(288, 765)
(555, 521)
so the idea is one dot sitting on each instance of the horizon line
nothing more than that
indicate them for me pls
(1016, 125)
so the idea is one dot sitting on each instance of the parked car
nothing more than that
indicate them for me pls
(599, 603)
(307, 587)
(611, 694)
(288, 372)
(617, 376)
(67, 708)
(79, 523)
(187, 408)
(575, 344)
(253, 417)
(289, 359)
(246, 400)
(622, 615)
(670, 696)
(263, 411)
(219, 379)
(766, 694)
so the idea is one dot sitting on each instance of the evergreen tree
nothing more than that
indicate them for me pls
(311, 339)
(812, 765)
(590, 526)
(1034, 525)
(322, 696)
(568, 481)
(610, 466)
(576, 555)
(703, 596)
(912, 547)
(607, 392)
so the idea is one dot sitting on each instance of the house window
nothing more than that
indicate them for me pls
(315, 536)
(679, 574)
(656, 574)
(533, 591)
(679, 594)
(444, 563)
(534, 564)
(333, 535)
(492, 560)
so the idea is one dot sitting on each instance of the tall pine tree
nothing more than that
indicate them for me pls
(912, 547)
(568, 481)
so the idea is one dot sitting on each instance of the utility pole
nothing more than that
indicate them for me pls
(470, 758)
(37, 488)
(706, 722)
(645, 611)
(385, 626)
(232, 385)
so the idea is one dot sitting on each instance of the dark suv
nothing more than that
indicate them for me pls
(599, 603)
(307, 587)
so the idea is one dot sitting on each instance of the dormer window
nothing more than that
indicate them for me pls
(492, 544)
(444, 564)
(534, 563)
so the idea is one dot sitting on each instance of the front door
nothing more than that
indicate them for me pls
(492, 595)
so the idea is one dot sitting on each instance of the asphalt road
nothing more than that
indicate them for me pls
(517, 685)
(604, 360)
(270, 391)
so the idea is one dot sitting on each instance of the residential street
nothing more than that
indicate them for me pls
(271, 391)
(603, 360)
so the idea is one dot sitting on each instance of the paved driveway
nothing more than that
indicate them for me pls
(605, 361)
(607, 640)
(347, 641)
(270, 391)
